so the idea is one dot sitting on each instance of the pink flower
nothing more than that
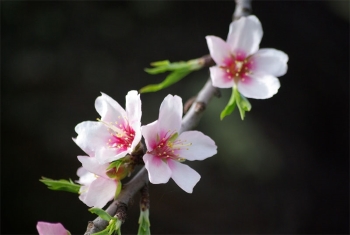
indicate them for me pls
(240, 63)
(116, 134)
(166, 148)
(97, 188)
(45, 228)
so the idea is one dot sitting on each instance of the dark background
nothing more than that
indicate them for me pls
(284, 169)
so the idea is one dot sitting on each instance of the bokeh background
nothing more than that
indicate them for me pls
(284, 169)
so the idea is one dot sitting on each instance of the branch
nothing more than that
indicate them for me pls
(189, 121)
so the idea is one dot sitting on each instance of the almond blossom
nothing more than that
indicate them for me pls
(241, 64)
(45, 228)
(97, 188)
(116, 134)
(167, 148)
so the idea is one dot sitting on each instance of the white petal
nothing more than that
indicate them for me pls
(219, 78)
(245, 35)
(170, 114)
(183, 175)
(158, 171)
(99, 192)
(200, 148)
(106, 154)
(91, 136)
(108, 108)
(45, 228)
(85, 177)
(133, 107)
(270, 61)
(137, 137)
(92, 165)
(259, 86)
(219, 49)
(150, 133)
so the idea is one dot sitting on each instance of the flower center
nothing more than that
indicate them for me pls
(169, 147)
(122, 134)
(237, 68)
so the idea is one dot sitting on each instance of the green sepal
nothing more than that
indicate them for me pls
(242, 103)
(101, 213)
(112, 228)
(229, 107)
(119, 188)
(144, 227)
(173, 137)
(178, 71)
(61, 185)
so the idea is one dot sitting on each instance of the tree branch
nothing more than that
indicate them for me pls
(190, 120)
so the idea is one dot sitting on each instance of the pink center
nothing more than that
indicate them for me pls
(238, 68)
(168, 147)
(122, 135)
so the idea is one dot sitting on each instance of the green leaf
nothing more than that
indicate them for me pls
(61, 185)
(103, 232)
(160, 63)
(144, 227)
(101, 213)
(169, 80)
(242, 103)
(119, 188)
(229, 107)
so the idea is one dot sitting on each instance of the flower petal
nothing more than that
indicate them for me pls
(108, 108)
(85, 177)
(259, 86)
(270, 61)
(91, 135)
(150, 133)
(170, 114)
(245, 35)
(92, 165)
(219, 78)
(45, 228)
(104, 154)
(158, 171)
(183, 175)
(99, 192)
(201, 146)
(219, 49)
(133, 107)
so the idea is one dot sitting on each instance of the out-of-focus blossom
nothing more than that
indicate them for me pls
(45, 228)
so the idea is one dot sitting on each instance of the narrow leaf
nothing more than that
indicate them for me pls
(160, 63)
(101, 213)
(169, 80)
(61, 185)
(229, 107)
(242, 103)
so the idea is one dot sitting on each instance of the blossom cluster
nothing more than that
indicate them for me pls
(113, 140)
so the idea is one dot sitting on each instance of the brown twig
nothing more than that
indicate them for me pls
(189, 121)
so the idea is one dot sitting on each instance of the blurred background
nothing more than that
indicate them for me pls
(284, 169)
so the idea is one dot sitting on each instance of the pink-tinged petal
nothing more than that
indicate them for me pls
(105, 154)
(245, 35)
(158, 171)
(259, 86)
(183, 175)
(219, 49)
(170, 114)
(92, 165)
(197, 146)
(108, 108)
(45, 228)
(91, 136)
(270, 61)
(150, 133)
(85, 177)
(219, 78)
(137, 137)
(99, 192)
